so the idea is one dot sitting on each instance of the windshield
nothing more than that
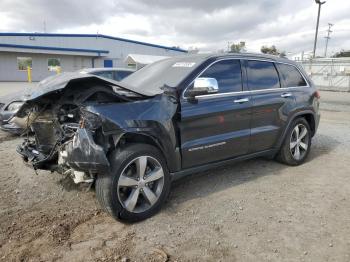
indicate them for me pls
(168, 72)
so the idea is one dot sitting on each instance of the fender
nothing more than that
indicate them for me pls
(151, 120)
(172, 156)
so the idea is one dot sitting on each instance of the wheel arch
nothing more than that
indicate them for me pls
(308, 115)
(171, 158)
(310, 118)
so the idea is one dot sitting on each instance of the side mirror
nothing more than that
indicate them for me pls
(203, 86)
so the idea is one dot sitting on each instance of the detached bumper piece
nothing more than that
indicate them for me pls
(31, 155)
(83, 154)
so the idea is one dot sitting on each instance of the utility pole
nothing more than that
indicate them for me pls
(317, 24)
(228, 46)
(328, 37)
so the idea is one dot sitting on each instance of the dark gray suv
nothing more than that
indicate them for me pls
(169, 119)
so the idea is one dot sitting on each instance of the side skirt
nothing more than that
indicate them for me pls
(183, 173)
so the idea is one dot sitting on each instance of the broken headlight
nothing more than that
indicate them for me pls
(14, 106)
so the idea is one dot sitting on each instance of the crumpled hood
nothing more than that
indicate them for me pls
(61, 81)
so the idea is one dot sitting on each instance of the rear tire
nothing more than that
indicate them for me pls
(297, 143)
(138, 184)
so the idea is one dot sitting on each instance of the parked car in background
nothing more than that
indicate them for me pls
(11, 103)
(117, 74)
(169, 119)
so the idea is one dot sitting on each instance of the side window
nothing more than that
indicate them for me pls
(262, 75)
(24, 62)
(291, 76)
(54, 64)
(227, 73)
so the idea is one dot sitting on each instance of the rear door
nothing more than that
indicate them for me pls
(296, 83)
(216, 126)
(271, 104)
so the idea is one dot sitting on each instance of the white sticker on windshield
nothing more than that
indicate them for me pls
(184, 64)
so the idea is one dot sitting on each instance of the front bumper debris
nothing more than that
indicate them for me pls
(83, 154)
(31, 155)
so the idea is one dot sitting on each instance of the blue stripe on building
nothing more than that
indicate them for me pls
(95, 36)
(55, 48)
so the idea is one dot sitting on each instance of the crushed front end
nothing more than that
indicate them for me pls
(67, 148)
(60, 136)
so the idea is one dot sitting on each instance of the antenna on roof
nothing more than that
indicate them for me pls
(44, 26)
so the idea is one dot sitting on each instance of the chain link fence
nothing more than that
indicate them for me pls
(329, 73)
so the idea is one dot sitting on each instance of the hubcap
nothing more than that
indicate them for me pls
(140, 184)
(299, 142)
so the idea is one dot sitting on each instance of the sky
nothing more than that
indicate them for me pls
(205, 24)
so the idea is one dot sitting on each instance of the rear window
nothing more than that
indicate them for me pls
(262, 75)
(120, 75)
(105, 74)
(291, 76)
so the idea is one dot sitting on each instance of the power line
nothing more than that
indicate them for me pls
(328, 38)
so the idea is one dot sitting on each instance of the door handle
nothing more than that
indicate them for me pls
(241, 101)
(286, 95)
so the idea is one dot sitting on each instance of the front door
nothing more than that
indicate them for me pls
(217, 126)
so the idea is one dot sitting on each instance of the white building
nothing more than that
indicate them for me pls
(305, 55)
(47, 53)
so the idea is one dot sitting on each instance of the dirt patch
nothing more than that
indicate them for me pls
(6, 137)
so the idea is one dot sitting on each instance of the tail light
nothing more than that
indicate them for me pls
(317, 94)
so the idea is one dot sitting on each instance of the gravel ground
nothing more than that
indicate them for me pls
(257, 210)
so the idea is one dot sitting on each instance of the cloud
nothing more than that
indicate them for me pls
(207, 24)
(31, 15)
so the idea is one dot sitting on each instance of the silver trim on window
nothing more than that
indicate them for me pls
(209, 96)
(203, 97)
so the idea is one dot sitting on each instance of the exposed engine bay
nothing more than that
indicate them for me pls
(60, 136)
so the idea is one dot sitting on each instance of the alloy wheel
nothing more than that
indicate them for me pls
(299, 142)
(140, 184)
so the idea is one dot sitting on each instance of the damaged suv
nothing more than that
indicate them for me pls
(172, 118)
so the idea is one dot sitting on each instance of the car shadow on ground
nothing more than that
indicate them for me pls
(67, 183)
(322, 145)
(205, 183)
(215, 180)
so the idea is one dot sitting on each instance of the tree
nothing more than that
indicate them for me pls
(342, 53)
(193, 50)
(272, 50)
(238, 48)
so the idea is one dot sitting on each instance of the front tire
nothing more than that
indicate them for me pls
(138, 184)
(297, 143)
